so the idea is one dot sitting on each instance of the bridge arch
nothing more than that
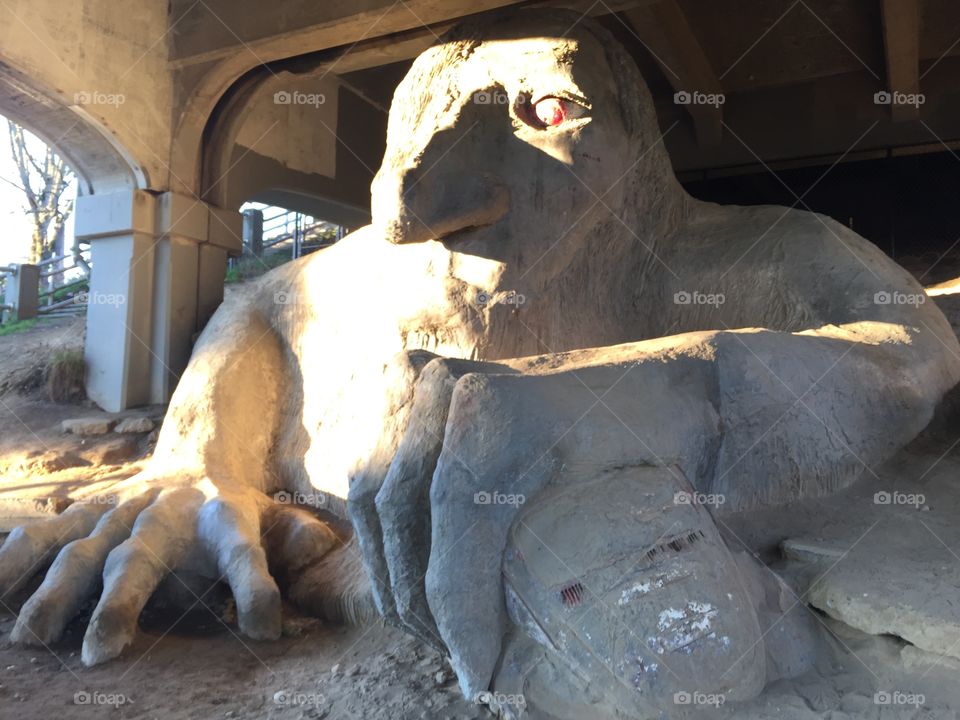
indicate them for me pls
(101, 162)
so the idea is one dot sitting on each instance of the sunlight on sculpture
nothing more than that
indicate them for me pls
(512, 382)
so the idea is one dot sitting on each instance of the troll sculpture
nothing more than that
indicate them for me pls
(511, 383)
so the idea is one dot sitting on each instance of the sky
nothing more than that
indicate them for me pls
(15, 224)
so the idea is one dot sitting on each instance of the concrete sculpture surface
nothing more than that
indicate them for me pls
(523, 384)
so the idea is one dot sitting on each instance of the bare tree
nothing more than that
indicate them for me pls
(44, 179)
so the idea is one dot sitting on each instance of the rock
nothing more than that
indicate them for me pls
(87, 426)
(916, 660)
(858, 705)
(57, 461)
(810, 550)
(114, 451)
(440, 678)
(819, 696)
(882, 593)
(135, 425)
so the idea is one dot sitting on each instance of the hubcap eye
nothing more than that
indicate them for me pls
(552, 111)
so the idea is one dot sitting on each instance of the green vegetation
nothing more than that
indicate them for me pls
(16, 326)
(64, 293)
(249, 267)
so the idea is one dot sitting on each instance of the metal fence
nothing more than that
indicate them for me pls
(5, 306)
(60, 282)
(288, 230)
(62, 279)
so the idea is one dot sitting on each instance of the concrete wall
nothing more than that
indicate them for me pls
(73, 71)
(291, 149)
(294, 121)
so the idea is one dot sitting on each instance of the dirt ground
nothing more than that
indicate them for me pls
(189, 661)
(197, 666)
(206, 670)
(41, 467)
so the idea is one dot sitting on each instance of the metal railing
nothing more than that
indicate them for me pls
(281, 222)
(59, 276)
(5, 307)
(302, 232)
(59, 280)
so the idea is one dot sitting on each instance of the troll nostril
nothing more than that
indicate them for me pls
(677, 543)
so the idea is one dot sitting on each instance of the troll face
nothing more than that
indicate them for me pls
(515, 145)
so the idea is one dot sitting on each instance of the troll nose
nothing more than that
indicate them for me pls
(411, 207)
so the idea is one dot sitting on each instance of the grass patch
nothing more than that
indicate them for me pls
(64, 293)
(66, 373)
(17, 326)
(249, 266)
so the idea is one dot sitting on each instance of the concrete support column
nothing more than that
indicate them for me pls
(158, 268)
(22, 291)
(120, 230)
(181, 225)
(224, 239)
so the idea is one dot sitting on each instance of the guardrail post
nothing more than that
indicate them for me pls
(23, 291)
(253, 231)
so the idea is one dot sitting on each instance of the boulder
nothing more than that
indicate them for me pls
(114, 451)
(134, 425)
(87, 426)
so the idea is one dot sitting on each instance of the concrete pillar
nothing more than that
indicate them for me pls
(158, 267)
(181, 225)
(225, 238)
(22, 291)
(120, 230)
(253, 231)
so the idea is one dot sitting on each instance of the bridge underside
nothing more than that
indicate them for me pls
(176, 114)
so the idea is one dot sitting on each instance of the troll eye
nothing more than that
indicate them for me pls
(553, 111)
